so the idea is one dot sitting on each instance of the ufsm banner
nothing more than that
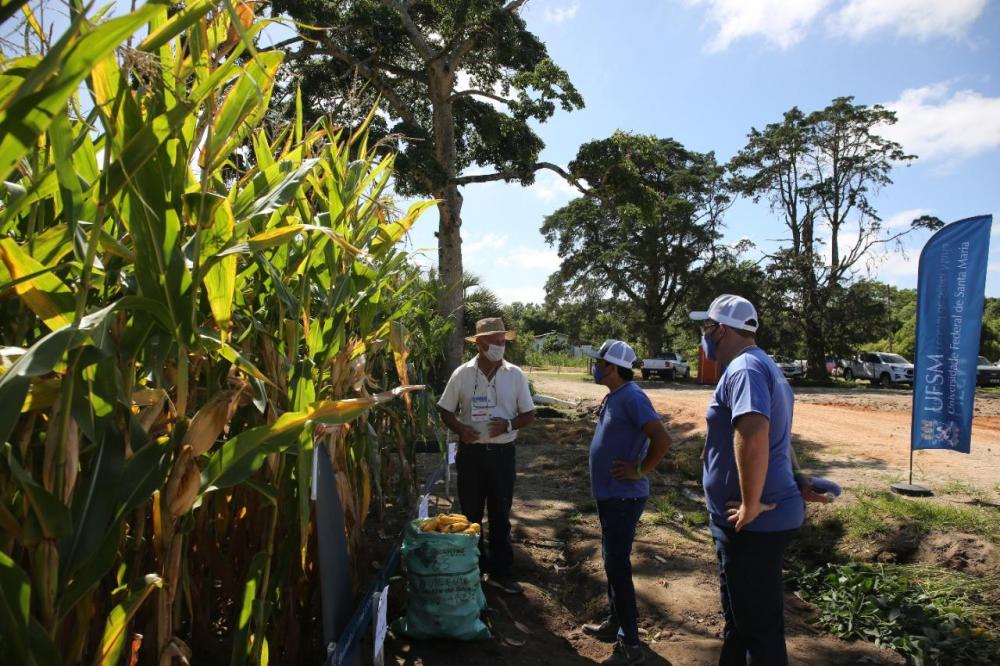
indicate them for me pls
(951, 280)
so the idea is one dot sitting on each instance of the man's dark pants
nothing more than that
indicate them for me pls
(486, 474)
(753, 595)
(619, 518)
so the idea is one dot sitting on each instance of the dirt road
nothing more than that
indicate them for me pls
(857, 437)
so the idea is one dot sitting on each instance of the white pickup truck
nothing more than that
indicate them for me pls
(881, 368)
(669, 365)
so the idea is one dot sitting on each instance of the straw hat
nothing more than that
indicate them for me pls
(489, 326)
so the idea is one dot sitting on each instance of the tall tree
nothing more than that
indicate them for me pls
(461, 81)
(821, 173)
(647, 226)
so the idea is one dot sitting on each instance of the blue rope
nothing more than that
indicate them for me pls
(347, 642)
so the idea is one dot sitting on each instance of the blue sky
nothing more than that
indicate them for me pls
(705, 71)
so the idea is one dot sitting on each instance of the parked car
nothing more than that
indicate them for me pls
(987, 374)
(666, 364)
(880, 368)
(790, 368)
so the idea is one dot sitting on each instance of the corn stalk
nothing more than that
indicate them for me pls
(189, 293)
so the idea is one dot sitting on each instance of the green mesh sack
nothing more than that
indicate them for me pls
(442, 582)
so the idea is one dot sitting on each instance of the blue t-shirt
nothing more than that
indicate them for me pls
(619, 436)
(752, 384)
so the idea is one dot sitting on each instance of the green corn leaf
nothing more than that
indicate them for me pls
(45, 294)
(189, 14)
(43, 94)
(241, 628)
(53, 516)
(15, 607)
(220, 278)
(303, 395)
(115, 629)
(243, 107)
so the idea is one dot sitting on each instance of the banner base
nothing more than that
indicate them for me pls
(911, 490)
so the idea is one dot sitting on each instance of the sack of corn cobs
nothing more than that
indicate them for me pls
(442, 580)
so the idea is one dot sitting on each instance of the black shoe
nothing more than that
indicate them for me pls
(508, 584)
(607, 630)
(625, 655)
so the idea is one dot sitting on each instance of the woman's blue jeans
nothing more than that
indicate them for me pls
(619, 518)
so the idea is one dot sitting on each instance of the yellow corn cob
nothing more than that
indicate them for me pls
(430, 525)
(452, 518)
(471, 529)
(456, 527)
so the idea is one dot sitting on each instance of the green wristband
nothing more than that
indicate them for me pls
(638, 470)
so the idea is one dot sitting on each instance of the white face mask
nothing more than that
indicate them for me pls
(495, 352)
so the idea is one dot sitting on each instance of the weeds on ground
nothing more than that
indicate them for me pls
(926, 614)
(876, 510)
(685, 457)
(956, 487)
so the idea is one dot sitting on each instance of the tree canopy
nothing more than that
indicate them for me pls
(821, 172)
(646, 228)
(459, 82)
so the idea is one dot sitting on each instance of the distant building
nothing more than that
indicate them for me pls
(560, 340)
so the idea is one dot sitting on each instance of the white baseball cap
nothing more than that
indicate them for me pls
(733, 311)
(615, 352)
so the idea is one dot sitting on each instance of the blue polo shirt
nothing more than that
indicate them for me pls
(619, 436)
(752, 384)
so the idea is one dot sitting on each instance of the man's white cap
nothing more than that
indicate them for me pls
(615, 352)
(734, 311)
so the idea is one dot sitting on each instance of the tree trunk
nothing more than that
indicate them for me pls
(653, 333)
(450, 271)
(450, 215)
(815, 339)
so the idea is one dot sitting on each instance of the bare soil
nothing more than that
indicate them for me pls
(857, 437)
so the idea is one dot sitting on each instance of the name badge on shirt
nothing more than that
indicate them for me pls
(480, 408)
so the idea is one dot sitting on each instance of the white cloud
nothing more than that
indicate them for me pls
(526, 258)
(520, 294)
(785, 23)
(911, 18)
(900, 269)
(903, 218)
(488, 241)
(935, 125)
(561, 14)
(550, 186)
(782, 23)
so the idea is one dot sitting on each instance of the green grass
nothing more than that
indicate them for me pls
(666, 508)
(874, 511)
(956, 487)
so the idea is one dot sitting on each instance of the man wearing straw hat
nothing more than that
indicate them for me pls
(486, 402)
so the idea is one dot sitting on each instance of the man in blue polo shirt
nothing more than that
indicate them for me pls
(752, 491)
(628, 443)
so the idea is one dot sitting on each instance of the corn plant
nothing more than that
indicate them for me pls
(193, 299)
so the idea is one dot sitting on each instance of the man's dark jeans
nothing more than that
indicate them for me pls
(753, 595)
(486, 474)
(619, 518)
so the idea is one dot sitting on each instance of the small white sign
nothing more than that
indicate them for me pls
(381, 626)
(422, 510)
(452, 450)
